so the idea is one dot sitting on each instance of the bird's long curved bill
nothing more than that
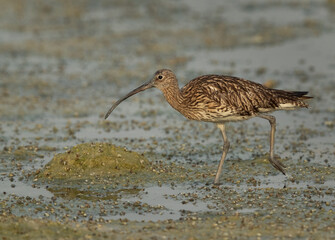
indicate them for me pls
(136, 90)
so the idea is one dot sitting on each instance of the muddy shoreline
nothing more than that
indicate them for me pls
(62, 65)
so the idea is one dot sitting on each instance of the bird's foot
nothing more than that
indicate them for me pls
(216, 183)
(276, 163)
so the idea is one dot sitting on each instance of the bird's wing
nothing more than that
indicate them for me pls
(242, 96)
(224, 94)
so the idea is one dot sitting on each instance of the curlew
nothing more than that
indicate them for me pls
(220, 99)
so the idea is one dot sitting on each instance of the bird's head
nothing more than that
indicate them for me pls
(161, 79)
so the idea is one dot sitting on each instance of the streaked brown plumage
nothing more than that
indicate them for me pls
(220, 99)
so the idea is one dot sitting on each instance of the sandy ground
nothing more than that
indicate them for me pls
(62, 65)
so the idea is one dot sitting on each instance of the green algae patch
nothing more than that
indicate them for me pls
(94, 160)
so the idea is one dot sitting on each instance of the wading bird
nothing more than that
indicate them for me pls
(220, 99)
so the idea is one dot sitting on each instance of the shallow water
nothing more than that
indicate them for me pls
(63, 65)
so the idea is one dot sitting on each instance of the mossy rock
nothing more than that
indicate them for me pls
(94, 159)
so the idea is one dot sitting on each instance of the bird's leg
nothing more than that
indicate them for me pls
(276, 163)
(225, 151)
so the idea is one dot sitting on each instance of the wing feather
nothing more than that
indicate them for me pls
(221, 96)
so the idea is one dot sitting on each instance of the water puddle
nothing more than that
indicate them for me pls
(164, 197)
(22, 189)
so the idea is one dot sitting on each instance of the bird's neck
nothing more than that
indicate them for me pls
(174, 96)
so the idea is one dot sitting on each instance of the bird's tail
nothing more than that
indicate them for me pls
(292, 99)
(301, 95)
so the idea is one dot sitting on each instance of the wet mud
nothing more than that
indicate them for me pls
(147, 172)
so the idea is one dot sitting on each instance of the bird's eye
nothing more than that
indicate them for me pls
(160, 77)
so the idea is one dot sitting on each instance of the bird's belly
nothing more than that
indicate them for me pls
(233, 118)
(216, 117)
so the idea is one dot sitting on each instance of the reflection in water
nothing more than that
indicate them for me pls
(74, 193)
